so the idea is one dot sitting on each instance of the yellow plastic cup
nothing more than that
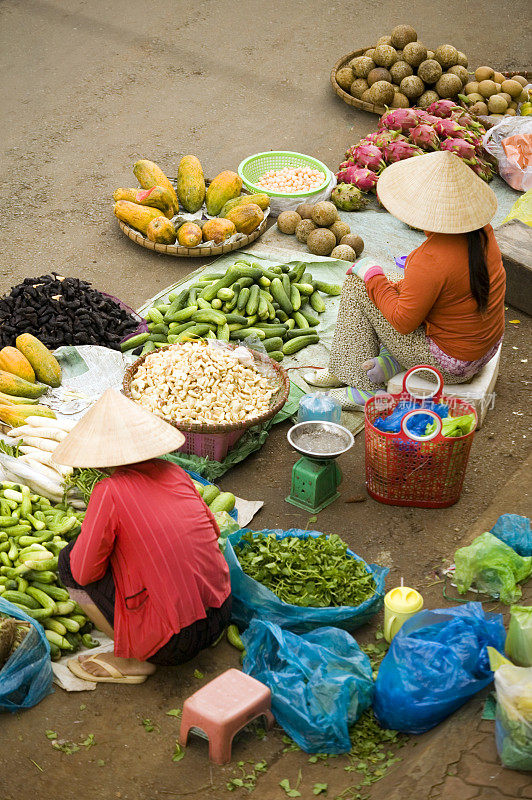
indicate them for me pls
(400, 604)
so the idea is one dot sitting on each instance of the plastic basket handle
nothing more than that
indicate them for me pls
(414, 436)
(430, 395)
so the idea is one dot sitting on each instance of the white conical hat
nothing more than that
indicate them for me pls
(437, 192)
(117, 431)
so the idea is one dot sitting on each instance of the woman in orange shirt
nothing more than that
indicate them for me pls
(448, 310)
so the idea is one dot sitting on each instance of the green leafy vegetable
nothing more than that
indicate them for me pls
(85, 480)
(320, 788)
(179, 753)
(316, 571)
(174, 712)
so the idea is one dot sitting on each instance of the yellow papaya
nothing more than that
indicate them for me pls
(224, 187)
(161, 230)
(149, 174)
(136, 216)
(261, 200)
(217, 230)
(190, 184)
(12, 384)
(12, 360)
(15, 416)
(156, 197)
(44, 363)
(246, 218)
(12, 399)
(189, 234)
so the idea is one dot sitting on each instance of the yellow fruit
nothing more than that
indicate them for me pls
(513, 88)
(224, 187)
(217, 230)
(471, 87)
(497, 104)
(156, 197)
(526, 110)
(12, 360)
(12, 384)
(149, 174)
(136, 216)
(161, 230)
(190, 184)
(484, 74)
(261, 200)
(15, 416)
(44, 363)
(189, 234)
(246, 218)
(487, 88)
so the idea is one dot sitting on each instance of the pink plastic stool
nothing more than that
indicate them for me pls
(223, 707)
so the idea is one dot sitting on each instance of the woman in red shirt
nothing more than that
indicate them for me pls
(146, 567)
(448, 311)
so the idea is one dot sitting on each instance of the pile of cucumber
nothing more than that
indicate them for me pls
(32, 532)
(278, 305)
(214, 498)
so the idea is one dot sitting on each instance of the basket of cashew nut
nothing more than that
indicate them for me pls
(211, 391)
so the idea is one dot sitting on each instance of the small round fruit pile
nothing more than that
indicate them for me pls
(400, 72)
(291, 180)
(321, 229)
(494, 94)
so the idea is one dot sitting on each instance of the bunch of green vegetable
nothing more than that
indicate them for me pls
(278, 305)
(85, 480)
(316, 571)
(32, 533)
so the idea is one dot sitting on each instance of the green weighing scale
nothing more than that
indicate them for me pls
(316, 476)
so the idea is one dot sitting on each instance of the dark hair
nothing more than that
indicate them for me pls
(479, 279)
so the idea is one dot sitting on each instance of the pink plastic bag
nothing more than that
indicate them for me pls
(510, 141)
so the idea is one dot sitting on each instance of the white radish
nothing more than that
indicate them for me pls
(40, 444)
(47, 459)
(41, 468)
(20, 472)
(43, 433)
(45, 422)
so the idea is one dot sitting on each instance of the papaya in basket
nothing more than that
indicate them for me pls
(149, 174)
(224, 187)
(161, 230)
(189, 234)
(246, 218)
(136, 216)
(156, 197)
(217, 230)
(261, 200)
(190, 184)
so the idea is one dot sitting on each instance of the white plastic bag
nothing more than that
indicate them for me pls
(513, 722)
(279, 204)
(519, 129)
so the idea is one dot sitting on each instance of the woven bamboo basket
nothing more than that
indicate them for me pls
(380, 110)
(214, 441)
(193, 252)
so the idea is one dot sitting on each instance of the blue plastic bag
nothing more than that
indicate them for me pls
(27, 675)
(514, 530)
(436, 662)
(196, 477)
(252, 599)
(321, 682)
(418, 424)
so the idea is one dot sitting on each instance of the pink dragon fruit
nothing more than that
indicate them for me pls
(448, 128)
(443, 108)
(370, 156)
(370, 138)
(425, 118)
(466, 120)
(385, 136)
(482, 168)
(425, 136)
(398, 151)
(399, 119)
(363, 178)
(464, 149)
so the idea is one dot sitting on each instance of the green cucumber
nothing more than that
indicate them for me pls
(275, 343)
(238, 318)
(225, 501)
(243, 333)
(55, 592)
(253, 300)
(157, 327)
(43, 598)
(276, 355)
(332, 289)
(203, 304)
(243, 297)
(225, 294)
(233, 637)
(293, 345)
(134, 341)
(223, 333)
(212, 316)
(279, 294)
(210, 492)
(311, 319)
(155, 315)
(52, 624)
(296, 272)
(263, 310)
(183, 315)
(216, 304)
(20, 599)
(210, 292)
(317, 303)
(295, 297)
(300, 320)
(305, 288)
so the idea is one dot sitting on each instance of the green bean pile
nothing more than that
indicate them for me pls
(316, 571)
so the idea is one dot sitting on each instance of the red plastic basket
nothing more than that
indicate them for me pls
(403, 469)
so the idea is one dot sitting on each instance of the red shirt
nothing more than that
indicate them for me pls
(436, 292)
(149, 524)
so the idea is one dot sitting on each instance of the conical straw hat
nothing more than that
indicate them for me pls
(437, 192)
(117, 431)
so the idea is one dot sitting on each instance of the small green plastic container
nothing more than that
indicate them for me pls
(251, 169)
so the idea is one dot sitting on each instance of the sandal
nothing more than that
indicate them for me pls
(115, 676)
(351, 398)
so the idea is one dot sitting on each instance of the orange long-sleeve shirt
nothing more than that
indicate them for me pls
(436, 292)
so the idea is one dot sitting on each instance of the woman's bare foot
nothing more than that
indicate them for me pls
(127, 666)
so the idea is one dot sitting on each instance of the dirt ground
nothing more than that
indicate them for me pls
(89, 87)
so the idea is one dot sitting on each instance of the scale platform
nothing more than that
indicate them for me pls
(316, 476)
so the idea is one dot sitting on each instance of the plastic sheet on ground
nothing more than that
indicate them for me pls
(515, 531)
(67, 680)
(252, 599)
(321, 682)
